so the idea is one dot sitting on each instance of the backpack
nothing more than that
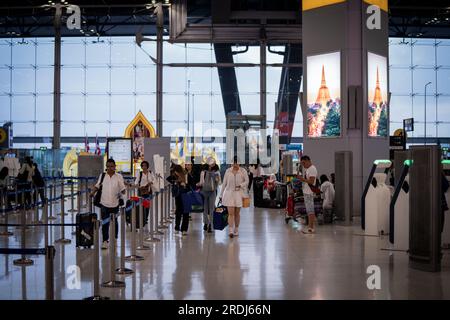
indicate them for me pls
(98, 194)
(210, 181)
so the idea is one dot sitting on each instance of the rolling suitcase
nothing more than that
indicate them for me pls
(85, 231)
(281, 195)
(258, 186)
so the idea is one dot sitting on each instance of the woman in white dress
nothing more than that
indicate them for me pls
(234, 187)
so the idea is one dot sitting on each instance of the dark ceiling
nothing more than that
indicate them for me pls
(407, 18)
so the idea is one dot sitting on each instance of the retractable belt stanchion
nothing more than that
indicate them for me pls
(63, 197)
(45, 220)
(49, 272)
(72, 196)
(157, 212)
(54, 190)
(151, 223)
(78, 209)
(90, 207)
(164, 220)
(141, 246)
(167, 211)
(96, 263)
(16, 198)
(36, 207)
(122, 270)
(112, 283)
(51, 201)
(63, 239)
(161, 211)
(5, 231)
(133, 256)
(23, 261)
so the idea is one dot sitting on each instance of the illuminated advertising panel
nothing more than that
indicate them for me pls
(324, 95)
(377, 95)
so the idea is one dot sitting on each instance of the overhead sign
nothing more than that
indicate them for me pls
(408, 124)
(120, 150)
(294, 146)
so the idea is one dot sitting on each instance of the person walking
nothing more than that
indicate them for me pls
(25, 178)
(144, 182)
(235, 184)
(39, 183)
(113, 187)
(209, 181)
(180, 187)
(308, 182)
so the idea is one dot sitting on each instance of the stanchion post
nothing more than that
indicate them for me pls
(72, 196)
(45, 219)
(133, 256)
(23, 261)
(51, 201)
(122, 270)
(5, 231)
(16, 200)
(49, 273)
(151, 222)
(159, 215)
(112, 283)
(141, 246)
(96, 264)
(63, 239)
(36, 207)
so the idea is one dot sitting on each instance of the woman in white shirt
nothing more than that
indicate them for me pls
(235, 183)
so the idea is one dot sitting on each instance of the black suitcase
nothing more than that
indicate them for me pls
(85, 232)
(281, 195)
(258, 187)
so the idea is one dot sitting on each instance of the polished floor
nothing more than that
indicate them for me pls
(269, 260)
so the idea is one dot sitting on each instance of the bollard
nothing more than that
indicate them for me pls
(49, 273)
(23, 261)
(151, 223)
(63, 240)
(141, 246)
(112, 283)
(133, 256)
(122, 270)
(96, 264)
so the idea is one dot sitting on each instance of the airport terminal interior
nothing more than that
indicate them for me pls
(224, 150)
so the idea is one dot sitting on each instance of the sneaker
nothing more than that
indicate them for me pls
(308, 231)
(105, 245)
(205, 227)
(209, 228)
(184, 233)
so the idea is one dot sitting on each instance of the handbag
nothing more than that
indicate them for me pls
(220, 217)
(98, 194)
(192, 202)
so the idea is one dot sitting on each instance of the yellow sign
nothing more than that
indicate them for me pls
(383, 4)
(312, 4)
(3, 135)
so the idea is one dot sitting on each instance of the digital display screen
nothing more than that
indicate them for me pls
(120, 151)
(324, 95)
(377, 95)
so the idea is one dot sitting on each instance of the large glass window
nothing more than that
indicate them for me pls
(105, 81)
